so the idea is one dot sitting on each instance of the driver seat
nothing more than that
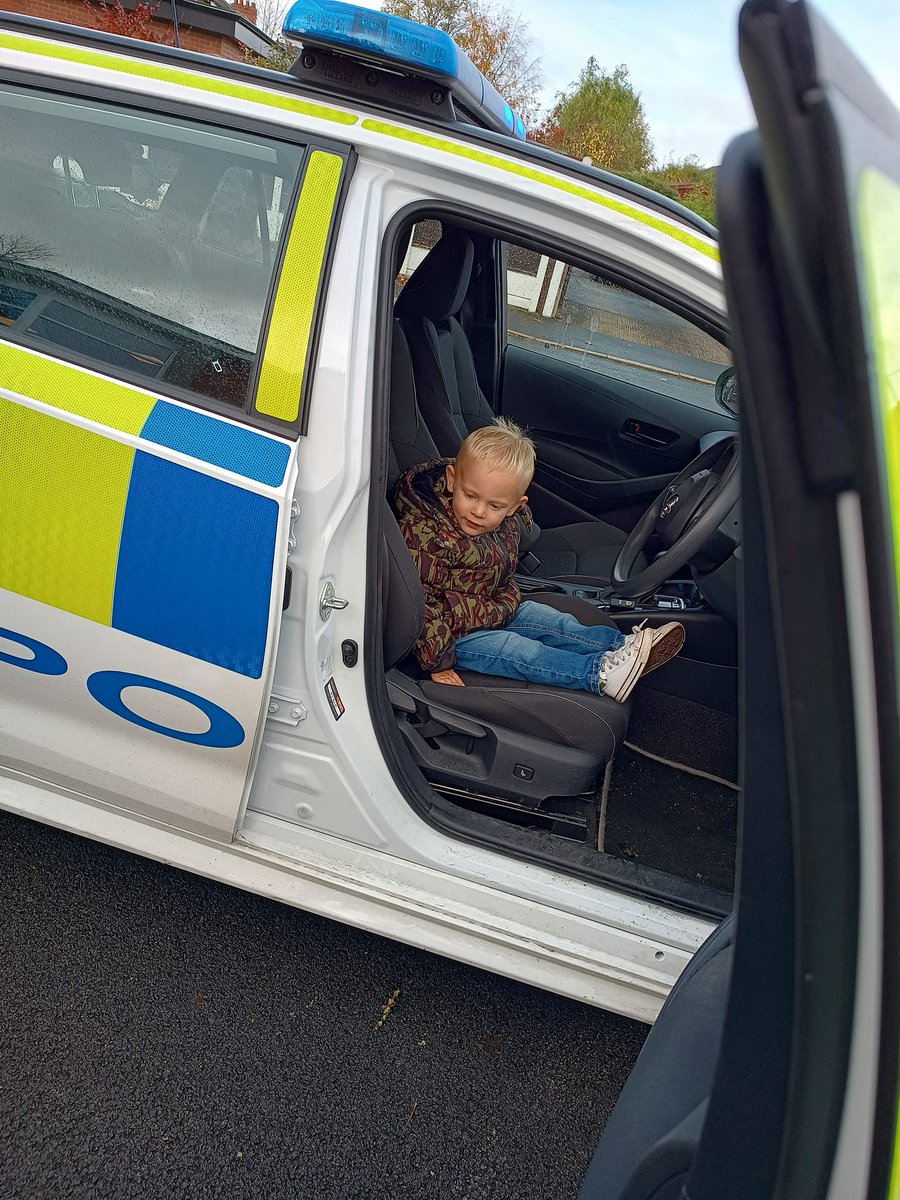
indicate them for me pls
(521, 741)
(452, 403)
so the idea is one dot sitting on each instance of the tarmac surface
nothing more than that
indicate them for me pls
(169, 1037)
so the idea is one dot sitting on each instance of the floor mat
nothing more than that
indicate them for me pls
(669, 818)
(685, 732)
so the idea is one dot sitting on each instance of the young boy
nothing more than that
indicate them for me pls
(459, 520)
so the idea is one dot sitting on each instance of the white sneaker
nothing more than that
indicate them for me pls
(667, 641)
(621, 669)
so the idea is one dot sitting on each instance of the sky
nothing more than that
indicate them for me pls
(682, 58)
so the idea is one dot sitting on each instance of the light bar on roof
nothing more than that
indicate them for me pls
(407, 46)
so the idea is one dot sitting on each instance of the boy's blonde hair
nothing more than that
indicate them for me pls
(503, 446)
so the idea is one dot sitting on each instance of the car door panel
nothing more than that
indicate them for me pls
(810, 258)
(602, 442)
(144, 553)
(146, 481)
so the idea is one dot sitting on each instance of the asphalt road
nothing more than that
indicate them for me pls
(168, 1037)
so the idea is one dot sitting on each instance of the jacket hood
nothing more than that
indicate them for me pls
(423, 492)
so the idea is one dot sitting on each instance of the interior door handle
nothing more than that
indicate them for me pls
(648, 435)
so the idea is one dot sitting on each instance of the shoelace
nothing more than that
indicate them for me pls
(615, 658)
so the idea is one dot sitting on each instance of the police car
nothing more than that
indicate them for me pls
(236, 304)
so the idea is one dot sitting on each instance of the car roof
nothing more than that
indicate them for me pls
(260, 76)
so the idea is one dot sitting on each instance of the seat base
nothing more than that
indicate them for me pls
(559, 746)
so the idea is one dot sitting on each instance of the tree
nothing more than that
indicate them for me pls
(270, 15)
(496, 40)
(135, 23)
(279, 58)
(15, 248)
(692, 183)
(452, 16)
(600, 117)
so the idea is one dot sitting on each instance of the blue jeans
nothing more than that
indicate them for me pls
(540, 645)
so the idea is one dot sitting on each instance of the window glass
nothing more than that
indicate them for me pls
(425, 236)
(569, 314)
(141, 243)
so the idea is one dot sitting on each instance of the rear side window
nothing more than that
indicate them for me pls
(138, 244)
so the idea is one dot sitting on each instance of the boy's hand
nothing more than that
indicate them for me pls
(447, 677)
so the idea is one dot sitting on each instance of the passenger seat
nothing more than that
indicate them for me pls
(452, 403)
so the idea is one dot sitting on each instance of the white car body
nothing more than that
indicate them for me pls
(305, 810)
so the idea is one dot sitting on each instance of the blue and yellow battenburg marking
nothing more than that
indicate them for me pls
(126, 537)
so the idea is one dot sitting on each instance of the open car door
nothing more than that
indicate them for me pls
(802, 1098)
(810, 222)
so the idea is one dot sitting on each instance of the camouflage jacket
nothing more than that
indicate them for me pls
(468, 581)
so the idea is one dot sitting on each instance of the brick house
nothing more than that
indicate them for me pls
(204, 26)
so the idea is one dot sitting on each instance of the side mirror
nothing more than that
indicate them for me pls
(726, 392)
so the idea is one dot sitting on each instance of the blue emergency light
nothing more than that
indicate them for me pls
(404, 46)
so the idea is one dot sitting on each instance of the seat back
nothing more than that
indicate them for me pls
(449, 395)
(411, 443)
(436, 400)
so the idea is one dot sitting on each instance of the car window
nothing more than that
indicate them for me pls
(139, 243)
(569, 314)
(424, 237)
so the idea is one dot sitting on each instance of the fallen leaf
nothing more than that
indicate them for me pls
(386, 1008)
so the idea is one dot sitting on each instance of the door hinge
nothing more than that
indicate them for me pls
(285, 710)
(292, 537)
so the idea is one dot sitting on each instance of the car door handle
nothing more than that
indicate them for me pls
(648, 435)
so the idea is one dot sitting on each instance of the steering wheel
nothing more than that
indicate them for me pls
(684, 516)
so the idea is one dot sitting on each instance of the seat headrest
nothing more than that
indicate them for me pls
(105, 161)
(439, 284)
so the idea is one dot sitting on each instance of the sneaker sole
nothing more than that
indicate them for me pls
(667, 641)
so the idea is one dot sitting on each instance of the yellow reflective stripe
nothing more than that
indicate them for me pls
(554, 181)
(879, 227)
(224, 87)
(284, 355)
(878, 216)
(167, 74)
(62, 498)
(62, 386)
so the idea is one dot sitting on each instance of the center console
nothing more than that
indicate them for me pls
(681, 595)
(705, 671)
